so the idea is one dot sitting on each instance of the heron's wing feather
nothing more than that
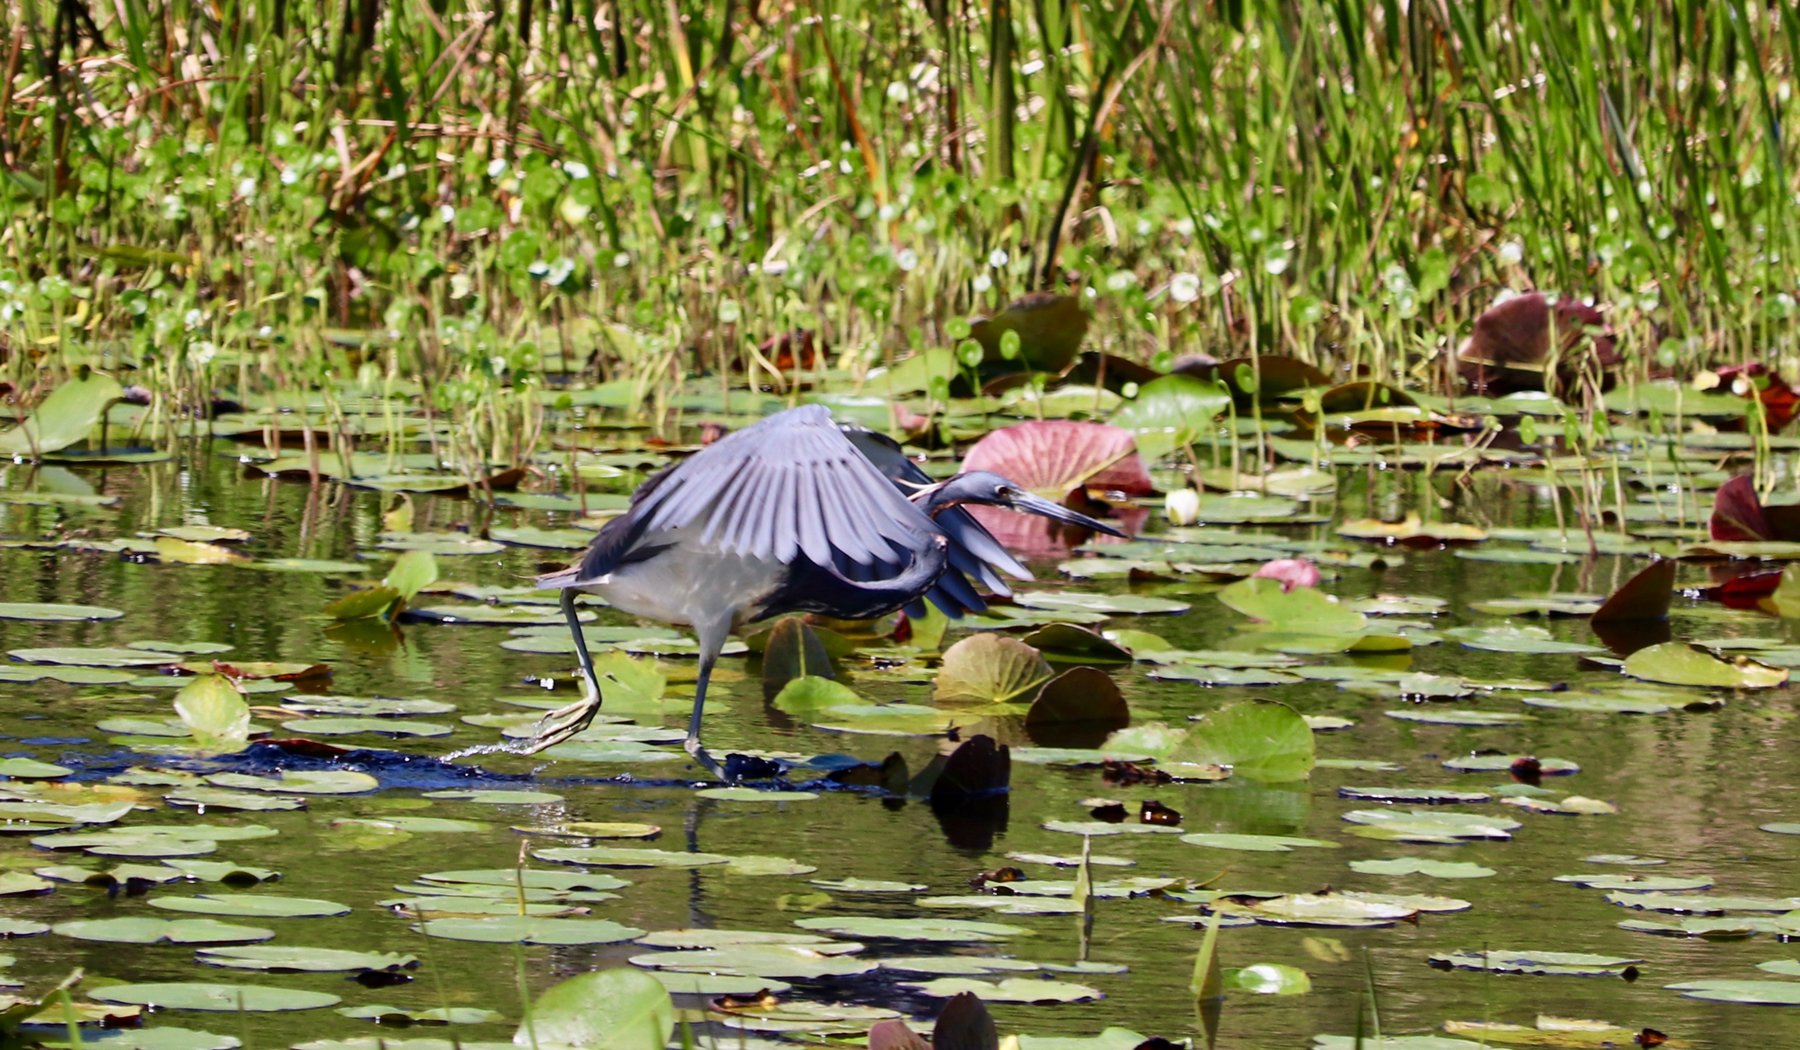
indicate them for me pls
(788, 487)
(974, 552)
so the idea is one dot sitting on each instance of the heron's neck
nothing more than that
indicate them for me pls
(935, 499)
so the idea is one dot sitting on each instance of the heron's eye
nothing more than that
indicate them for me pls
(1004, 493)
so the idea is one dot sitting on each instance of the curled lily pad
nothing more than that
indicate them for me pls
(1676, 663)
(990, 668)
(1262, 740)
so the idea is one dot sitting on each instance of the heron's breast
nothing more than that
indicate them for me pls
(687, 581)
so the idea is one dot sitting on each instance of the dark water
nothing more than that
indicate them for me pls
(1691, 789)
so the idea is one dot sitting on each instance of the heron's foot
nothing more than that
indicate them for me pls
(704, 757)
(561, 724)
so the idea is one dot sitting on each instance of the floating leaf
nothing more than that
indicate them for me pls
(1055, 456)
(1303, 610)
(529, 929)
(989, 668)
(92, 657)
(1254, 843)
(1010, 990)
(226, 998)
(1760, 993)
(276, 958)
(920, 928)
(215, 712)
(64, 418)
(794, 961)
(618, 1009)
(51, 613)
(1261, 740)
(1677, 663)
(1437, 869)
(1171, 412)
(1572, 964)
(1083, 701)
(150, 930)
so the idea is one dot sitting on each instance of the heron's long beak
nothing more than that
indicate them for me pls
(1027, 503)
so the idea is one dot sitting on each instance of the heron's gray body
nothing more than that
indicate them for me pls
(790, 514)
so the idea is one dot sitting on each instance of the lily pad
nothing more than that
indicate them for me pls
(1676, 663)
(225, 998)
(1571, 964)
(990, 668)
(922, 928)
(529, 929)
(1010, 990)
(151, 930)
(1255, 843)
(277, 958)
(1759, 993)
(1437, 869)
(51, 613)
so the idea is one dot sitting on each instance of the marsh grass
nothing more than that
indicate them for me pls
(465, 203)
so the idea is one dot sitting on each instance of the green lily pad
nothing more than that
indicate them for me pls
(921, 928)
(1106, 604)
(377, 726)
(867, 886)
(151, 930)
(625, 857)
(1637, 883)
(497, 797)
(1571, 964)
(528, 929)
(64, 418)
(1759, 993)
(278, 958)
(531, 878)
(1414, 796)
(1255, 843)
(1261, 740)
(251, 906)
(1429, 825)
(990, 668)
(1437, 869)
(393, 1015)
(1303, 610)
(1453, 716)
(225, 998)
(1010, 990)
(99, 657)
(1676, 663)
(30, 769)
(791, 961)
(49, 612)
(300, 782)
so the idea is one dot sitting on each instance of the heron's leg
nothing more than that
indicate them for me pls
(564, 722)
(712, 640)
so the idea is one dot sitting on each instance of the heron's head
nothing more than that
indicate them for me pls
(986, 487)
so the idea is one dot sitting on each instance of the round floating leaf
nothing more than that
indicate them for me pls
(1414, 796)
(810, 693)
(592, 829)
(1255, 843)
(1261, 740)
(278, 958)
(689, 939)
(867, 886)
(1785, 967)
(225, 998)
(1303, 610)
(1638, 883)
(378, 726)
(1437, 869)
(747, 794)
(101, 657)
(251, 906)
(394, 1015)
(301, 782)
(1677, 663)
(1430, 825)
(1054, 456)
(223, 798)
(30, 769)
(364, 707)
(1107, 604)
(1781, 828)
(51, 613)
(1011, 990)
(1458, 717)
(531, 878)
(793, 961)
(1549, 767)
(990, 668)
(1516, 640)
(529, 929)
(150, 930)
(498, 797)
(1570, 964)
(1314, 909)
(1759, 993)
(623, 857)
(195, 648)
(912, 929)
(715, 984)
(214, 711)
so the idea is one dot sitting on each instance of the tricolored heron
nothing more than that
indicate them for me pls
(790, 514)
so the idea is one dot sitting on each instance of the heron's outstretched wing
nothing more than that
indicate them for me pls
(974, 552)
(787, 488)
